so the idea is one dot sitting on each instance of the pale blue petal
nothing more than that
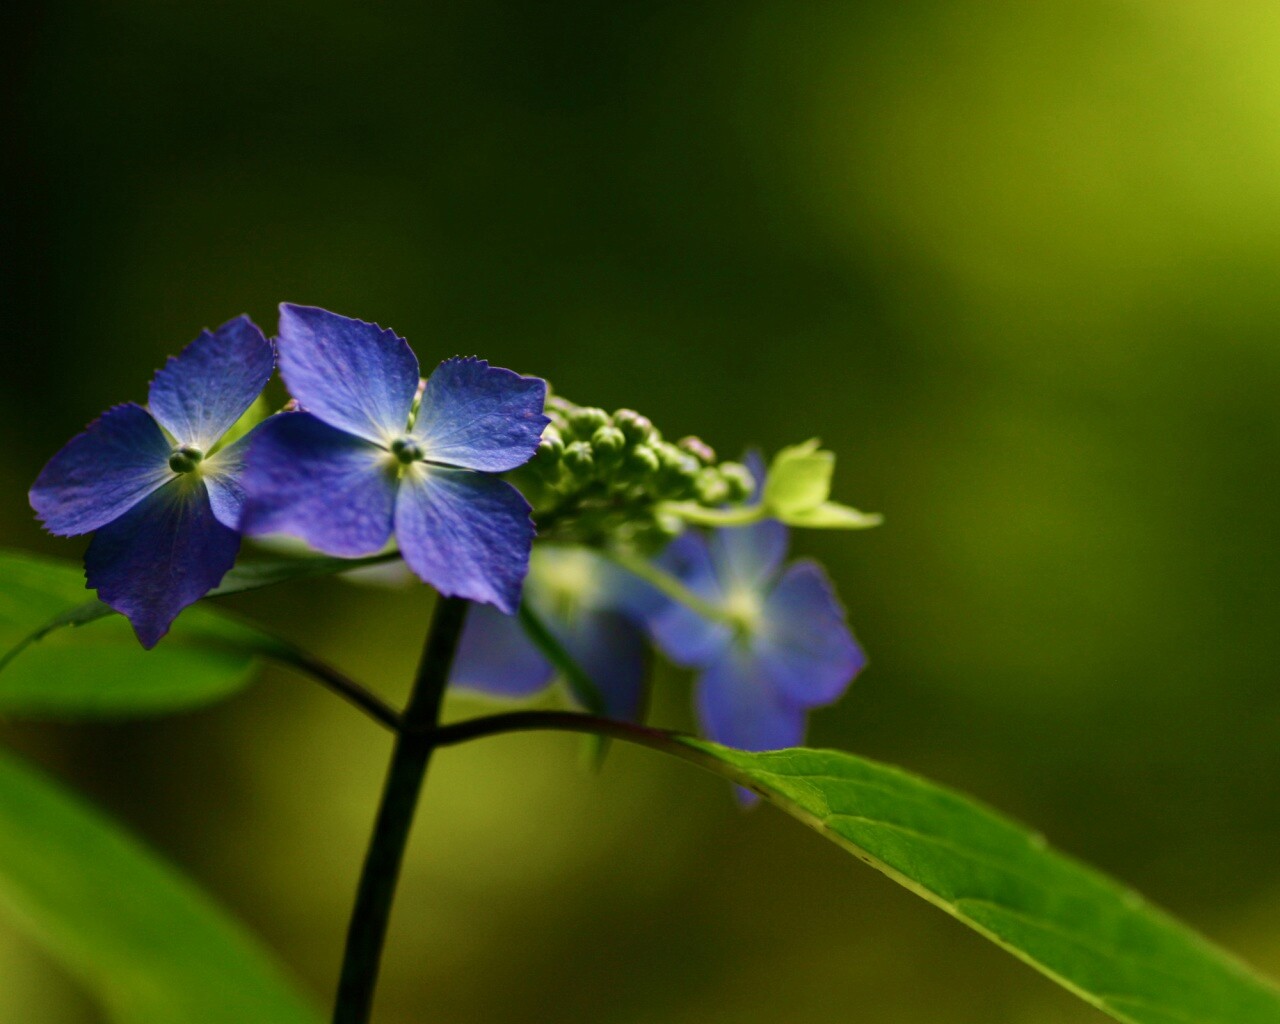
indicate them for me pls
(121, 457)
(624, 592)
(480, 417)
(355, 376)
(748, 557)
(307, 479)
(164, 554)
(738, 706)
(804, 645)
(686, 637)
(222, 473)
(204, 389)
(754, 461)
(613, 653)
(466, 534)
(495, 656)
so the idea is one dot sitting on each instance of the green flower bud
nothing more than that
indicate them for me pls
(678, 472)
(578, 460)
(551, 446)
(558, 420)
(738, 479)
(668, 527)
(710, 487)
(698, 448)
(635, 428)
(642, 462)
(546, 460)
(587, 420)
(609, 446)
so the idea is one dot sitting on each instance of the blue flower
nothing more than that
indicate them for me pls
(164, 503)
(593, 608)
(779, 647)
(358, 464)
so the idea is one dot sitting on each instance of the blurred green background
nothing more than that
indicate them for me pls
(1016, 263)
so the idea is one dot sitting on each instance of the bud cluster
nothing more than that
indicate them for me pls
(599, 476)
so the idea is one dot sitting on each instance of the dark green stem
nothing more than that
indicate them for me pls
(344, 686)
(557, 721)
(414, 746)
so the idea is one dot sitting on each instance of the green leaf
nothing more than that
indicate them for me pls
(799, 479)
(150, 945)
(1085, 931)
(101, 669)
(1088, 933)
(267, 573)
(48, 670)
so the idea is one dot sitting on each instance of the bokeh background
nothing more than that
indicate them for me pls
(1016, 263)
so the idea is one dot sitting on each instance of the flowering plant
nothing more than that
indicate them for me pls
(565, 544)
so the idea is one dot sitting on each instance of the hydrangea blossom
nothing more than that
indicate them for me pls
(164, 503)
(593, 608)
(781, 647)
(361, 461)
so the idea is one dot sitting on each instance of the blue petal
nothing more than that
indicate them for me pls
(748, 557)
(480, 417)
(204, 389)
(496, 656)
(121, 457)
(804, 644)
(466, 534)
(222, 473)
(754, 461)
(165, 553)
(738, 706)
(624, 592)
(685, 636)
(308, 479)
(611, 650)
(353, 375)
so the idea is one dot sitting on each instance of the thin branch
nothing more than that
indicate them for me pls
(338, 682)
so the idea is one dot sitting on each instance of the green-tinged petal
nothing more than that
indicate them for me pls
(831, 515)
(799, 479)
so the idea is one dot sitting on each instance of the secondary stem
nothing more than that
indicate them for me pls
(344, 686)
(558, 721)
(668, 585)
(413, 749)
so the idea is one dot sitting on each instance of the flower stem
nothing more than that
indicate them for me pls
(700, 515)
(343, 685)
(558, 721)
(668, 585)
(408, 769)
(673, 743)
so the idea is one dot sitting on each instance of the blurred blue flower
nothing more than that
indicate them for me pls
(593, 608)
(779, 647)
(165, 505)
(357, 464)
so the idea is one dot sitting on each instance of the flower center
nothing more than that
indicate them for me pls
(407, 450)
(566, 580)
(744, 609)
(185, 458)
